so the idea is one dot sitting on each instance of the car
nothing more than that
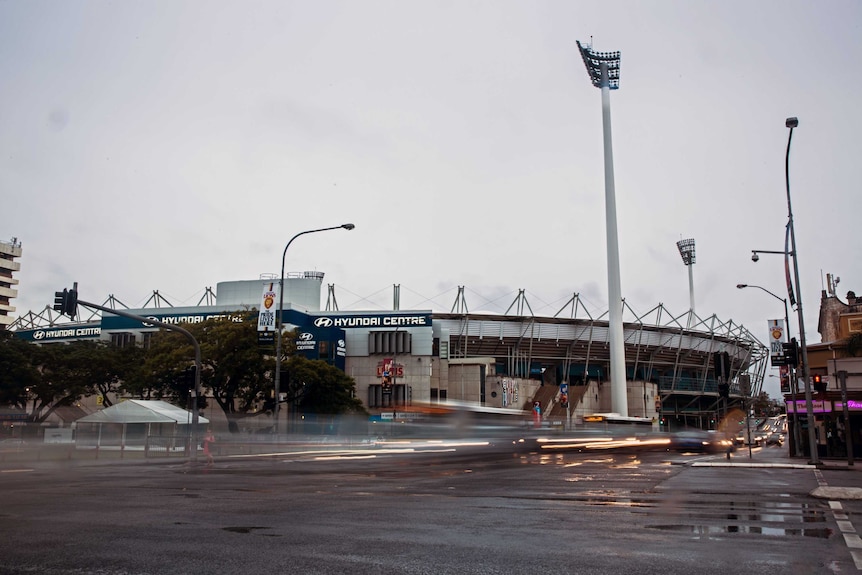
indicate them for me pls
(775, 438)
(698, 440)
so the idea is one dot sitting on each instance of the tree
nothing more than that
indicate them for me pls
(19, 370)
(233, 367)
(321, 388)
(55, 375)
(321, 393)
(69, 372)
(853, 345)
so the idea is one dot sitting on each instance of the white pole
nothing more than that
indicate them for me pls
(619, 399)
(690, 294)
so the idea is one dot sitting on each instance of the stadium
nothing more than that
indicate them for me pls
(559, 363)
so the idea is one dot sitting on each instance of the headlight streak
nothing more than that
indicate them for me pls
(609, 443)
(402, 448)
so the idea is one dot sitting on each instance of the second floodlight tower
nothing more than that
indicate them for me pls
(604, 71)
(686, 250)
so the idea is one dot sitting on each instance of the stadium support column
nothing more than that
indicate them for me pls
(604, 71)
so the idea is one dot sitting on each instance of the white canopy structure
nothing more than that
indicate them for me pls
(136, 423)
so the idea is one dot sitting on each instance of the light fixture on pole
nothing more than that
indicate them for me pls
(791, 372)
(604, 71)
(686, 250)
(278, 322)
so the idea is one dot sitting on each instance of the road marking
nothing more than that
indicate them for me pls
(14, 470)
(851, 538)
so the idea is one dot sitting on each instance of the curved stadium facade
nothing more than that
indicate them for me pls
(510, 359)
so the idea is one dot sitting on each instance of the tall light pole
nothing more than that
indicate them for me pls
(278, 322)
(686, 250)
(791, 123)
(792, 372)
(604, 71)
(790, 250)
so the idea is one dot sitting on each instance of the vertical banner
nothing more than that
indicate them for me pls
(776, 339)
(787, 265)
(266, 318)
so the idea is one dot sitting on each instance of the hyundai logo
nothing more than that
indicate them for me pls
(306, 336)
(341, 343)
(323, 322)
(39, 334)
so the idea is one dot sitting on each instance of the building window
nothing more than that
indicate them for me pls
(389, 342)
(123, 339)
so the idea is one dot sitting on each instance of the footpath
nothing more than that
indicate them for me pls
(779, 457)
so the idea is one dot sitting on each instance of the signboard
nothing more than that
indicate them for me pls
(776, 339)
(266, 317)
(66, 332)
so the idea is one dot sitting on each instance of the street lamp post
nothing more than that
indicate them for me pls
(604, 71)
(792, 123)
(792, 375)
(278, 322)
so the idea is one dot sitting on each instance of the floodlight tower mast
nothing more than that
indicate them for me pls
(604, 71)
(686, 251)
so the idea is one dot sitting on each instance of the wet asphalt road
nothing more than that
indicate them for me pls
(438, 509)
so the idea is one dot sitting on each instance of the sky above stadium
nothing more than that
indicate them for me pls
(170, 146)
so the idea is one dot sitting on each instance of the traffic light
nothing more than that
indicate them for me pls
(791, 353)
(721, 364)
(72, 302)
(66, 302)
(60, 300)
(819, 383)
(724, 389)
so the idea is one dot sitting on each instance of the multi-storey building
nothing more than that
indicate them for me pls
(9, 251)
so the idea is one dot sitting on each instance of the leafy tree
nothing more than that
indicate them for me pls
(853, 345)
(233, 367)
(70, 372)
(321, 388)
(19, 370)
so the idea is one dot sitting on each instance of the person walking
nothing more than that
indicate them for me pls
(209, 439)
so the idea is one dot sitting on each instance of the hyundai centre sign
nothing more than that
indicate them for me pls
(374, 320)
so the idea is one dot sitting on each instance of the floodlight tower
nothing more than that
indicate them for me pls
(604, 71)
(686, 250)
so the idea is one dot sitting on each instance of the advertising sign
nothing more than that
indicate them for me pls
(266, 318)
(776, 338)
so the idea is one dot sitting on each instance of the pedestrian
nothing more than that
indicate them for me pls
(209, 439)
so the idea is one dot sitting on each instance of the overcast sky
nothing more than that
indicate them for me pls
(171, 145)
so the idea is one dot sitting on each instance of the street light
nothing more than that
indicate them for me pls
(790, 250)
(278, 322)
(792, 374)
(686, 251)
(604, 71)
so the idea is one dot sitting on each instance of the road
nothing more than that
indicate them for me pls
(430, 509)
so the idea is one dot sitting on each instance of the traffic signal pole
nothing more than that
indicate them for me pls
(193, 451)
